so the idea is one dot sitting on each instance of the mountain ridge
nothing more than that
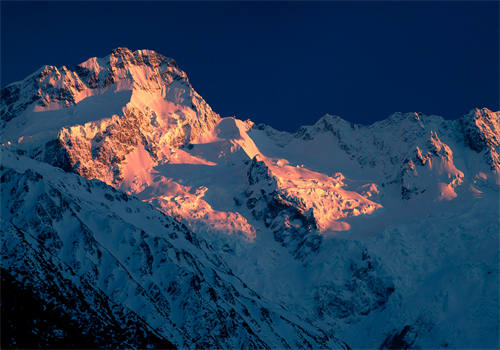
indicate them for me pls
(342, 223)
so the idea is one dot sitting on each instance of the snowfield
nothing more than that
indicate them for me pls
(119, 180)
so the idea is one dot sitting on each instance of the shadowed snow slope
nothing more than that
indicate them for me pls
(365, 231)
(64, 234)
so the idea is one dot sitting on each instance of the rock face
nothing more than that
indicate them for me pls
(153, 107)
(49, 85)
(287, 216)
(297, 204)
(125, 194)
(481, 128)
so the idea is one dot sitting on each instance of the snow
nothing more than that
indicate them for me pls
(143, 261)
(42, 124)
(361, 230)
(138, 170)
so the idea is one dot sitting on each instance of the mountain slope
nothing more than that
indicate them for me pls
(87, 245)
(365, 231)
(89, 120)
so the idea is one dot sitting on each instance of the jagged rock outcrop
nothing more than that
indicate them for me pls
(481, 128)
(47, 86)
(155, 107)
(298, 204)
(292, 224)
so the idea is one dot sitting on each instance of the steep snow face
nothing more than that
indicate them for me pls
(91, 119)
(67, 236)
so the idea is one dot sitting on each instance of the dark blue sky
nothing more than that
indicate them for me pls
(285, 64)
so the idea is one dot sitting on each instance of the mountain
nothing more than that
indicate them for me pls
(363, 231)
(68, 118)
(103, 258)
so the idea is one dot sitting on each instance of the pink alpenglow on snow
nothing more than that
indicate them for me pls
(125, 195)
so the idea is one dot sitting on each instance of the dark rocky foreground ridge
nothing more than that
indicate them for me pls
(29, 321)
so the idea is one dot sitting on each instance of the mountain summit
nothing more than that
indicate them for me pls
(111, 104)
(122, 186)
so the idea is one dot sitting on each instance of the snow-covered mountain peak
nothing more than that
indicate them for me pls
(327, 123)
(331, 119)
(122, 56)
(143, 69)
(94, 117)
(347, 224)
(120, 59)
(52, 88)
